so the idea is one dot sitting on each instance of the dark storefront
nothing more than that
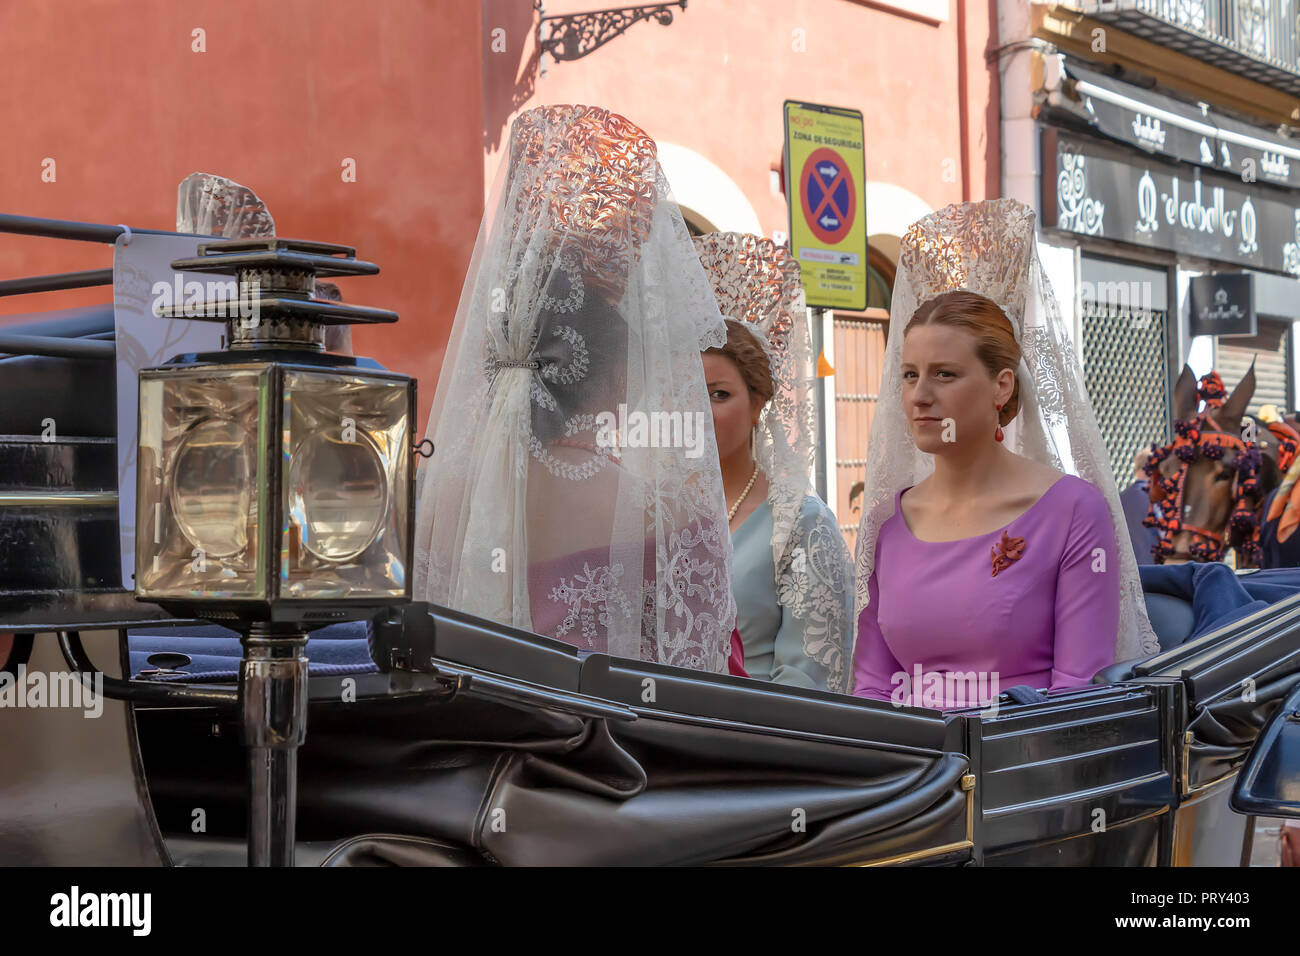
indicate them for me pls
(1156, 192)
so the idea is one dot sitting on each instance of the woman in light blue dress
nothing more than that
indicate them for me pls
(791, 573)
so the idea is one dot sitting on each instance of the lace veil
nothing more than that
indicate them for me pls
(574, 487)
(757, 283)
(990, 248)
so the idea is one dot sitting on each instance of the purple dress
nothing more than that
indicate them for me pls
(944, 630)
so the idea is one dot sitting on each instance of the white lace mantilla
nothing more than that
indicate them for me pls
(757, 283)
(584, 296)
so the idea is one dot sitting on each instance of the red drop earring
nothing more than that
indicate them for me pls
(997, 434)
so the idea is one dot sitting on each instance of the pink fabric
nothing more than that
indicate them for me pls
(549, 613)
(585, 631)
(1048, 619)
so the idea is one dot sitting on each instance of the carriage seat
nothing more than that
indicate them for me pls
(1172, 619)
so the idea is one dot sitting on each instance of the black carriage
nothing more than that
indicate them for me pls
(458, 741)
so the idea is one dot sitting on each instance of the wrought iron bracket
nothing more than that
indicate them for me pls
(571, 36)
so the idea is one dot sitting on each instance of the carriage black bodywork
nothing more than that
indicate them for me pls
(479, 744)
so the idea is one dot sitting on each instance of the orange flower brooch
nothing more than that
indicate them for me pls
(1011, 550)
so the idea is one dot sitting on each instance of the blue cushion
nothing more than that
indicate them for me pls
(1172, 618)
(215, 652)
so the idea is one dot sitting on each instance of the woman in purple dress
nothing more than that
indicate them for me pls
(993, 550)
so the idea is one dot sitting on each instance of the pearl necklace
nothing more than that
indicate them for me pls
(731, 515)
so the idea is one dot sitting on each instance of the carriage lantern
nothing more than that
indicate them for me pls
(275, 489)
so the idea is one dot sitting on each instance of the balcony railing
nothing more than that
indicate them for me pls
(1259, 39)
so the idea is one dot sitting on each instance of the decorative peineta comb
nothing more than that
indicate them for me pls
(755, 281)
(211, 205)
(984, 247)
(589, 177)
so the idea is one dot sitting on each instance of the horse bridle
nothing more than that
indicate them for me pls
(1202, 436)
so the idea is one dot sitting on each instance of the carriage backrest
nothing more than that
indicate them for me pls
(58, 460)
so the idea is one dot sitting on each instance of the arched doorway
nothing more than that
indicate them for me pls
(709, 199)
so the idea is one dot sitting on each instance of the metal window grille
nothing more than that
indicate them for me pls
(1125, 353)
(1270, 352)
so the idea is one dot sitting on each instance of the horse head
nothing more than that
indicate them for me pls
(1208, 485)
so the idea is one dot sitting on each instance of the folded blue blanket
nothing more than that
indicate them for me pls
(1219, 595)
(215, 652)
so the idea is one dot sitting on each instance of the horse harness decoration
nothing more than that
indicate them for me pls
(1201, 436)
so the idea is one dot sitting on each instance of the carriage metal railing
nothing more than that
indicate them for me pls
(1258, 39)
(18, 343)
(69, 338)
(98, 346)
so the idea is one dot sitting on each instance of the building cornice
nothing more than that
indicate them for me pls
(1072, 32)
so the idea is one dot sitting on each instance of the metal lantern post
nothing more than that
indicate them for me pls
(275, 490)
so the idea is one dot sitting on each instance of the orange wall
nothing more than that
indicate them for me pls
(412, 90)
(286, 90)
(714, 81)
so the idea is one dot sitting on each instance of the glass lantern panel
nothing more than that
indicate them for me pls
(198, 519)
(346, 498)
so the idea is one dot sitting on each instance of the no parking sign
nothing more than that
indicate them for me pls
(825, 164)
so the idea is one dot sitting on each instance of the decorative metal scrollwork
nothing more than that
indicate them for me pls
(571, 36)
